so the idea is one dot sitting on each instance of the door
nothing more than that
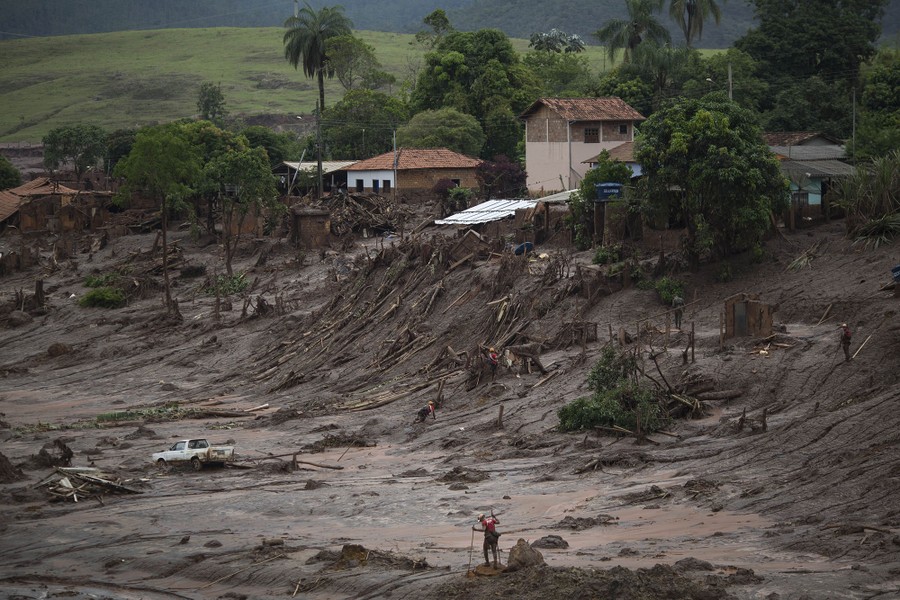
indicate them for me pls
(740, 319)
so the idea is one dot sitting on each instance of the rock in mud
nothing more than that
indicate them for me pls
(58, 349)
(553, 542)
(523, 556)
(142, 433)
(580, 523)
(55, 454)
(692, 564)
(9, 473)
(17, 318)
(463, 475)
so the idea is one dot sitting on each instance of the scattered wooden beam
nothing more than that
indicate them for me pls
(861, 346)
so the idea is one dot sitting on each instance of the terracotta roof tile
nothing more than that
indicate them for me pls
(9, 205)
(610, 108)
(417, 158)
(42, 186)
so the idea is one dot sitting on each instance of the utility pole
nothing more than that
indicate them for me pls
(853, 138)
(296, 8)
(730, 96)
(396, 158)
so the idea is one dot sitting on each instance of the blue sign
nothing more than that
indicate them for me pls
(608, 191)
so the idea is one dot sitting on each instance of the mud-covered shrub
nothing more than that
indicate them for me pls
(618, 400)
(190, 271)
(103, 297)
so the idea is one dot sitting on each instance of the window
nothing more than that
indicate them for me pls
(359, 185)
(375, 185)
(623, 128)
(455, 182)
(591, 135)
(178, 446)
(801, 199)
(386, 185)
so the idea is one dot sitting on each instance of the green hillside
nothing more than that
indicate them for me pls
(126, 79)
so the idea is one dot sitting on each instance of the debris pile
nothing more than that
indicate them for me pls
(68, 483)
(354, 212)
(8, 472)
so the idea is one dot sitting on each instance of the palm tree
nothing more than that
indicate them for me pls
(628, 33)
(304, 41)
(690, 14)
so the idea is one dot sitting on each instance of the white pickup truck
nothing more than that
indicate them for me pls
(198, 452)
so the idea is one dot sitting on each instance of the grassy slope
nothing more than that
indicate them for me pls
(134, 78)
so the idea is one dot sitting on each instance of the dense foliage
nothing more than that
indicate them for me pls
(618, 399)
(82, 146)
(361, 125)
(706, 159)
(9, 174)
(443, 128)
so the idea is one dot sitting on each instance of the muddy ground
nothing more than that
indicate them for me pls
(346, 348)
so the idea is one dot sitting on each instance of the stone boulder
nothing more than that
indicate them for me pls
(523, 556)
(17, 318)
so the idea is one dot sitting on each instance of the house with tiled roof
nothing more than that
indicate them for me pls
(624, 152)
(412, 172)
(562, 134)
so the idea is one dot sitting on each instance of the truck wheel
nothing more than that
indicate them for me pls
(196, 464)
(162, 464)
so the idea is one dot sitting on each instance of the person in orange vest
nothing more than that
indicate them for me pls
(426, 410)
(846, 334)
(491, 537)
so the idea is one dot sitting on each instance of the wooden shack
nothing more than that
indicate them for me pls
(310, 227)
(746, 315)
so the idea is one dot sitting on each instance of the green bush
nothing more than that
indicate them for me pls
(225, 285)
(668, 288)
(608, 254)
(104, 280)
(622, 406)
(103, 297)
(611, 369)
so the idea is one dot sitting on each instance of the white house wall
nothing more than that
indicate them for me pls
(545, 162)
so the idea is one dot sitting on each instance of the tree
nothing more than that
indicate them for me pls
(501, 178)
(560, 75)
(804, 38)
(556, 41)
(628, 33)
(118, 145)
(9, 174)
(244, 183)
(81, 145)
(353, 60)
(278, 146)
(361, 125)
(479, 73)
(878, 131)
(305, 41)
(443, 128)
(712, 151)
(711, 74)
(439, 26)
(211, 102)
(163, 164)
(690, 14)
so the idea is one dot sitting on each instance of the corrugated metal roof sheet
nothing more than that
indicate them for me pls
(817, 168)
(492, 210)
(328, 166)
(796, 138)
(611, 108)
(557, 198)
(417, 158)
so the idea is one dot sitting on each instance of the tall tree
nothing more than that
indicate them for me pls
(81, 145)
(9, 174)
(361, 125)
(479, 73)
(352, 59)
(627, 34)
(802, 38)
(438, 26)
(443, 128)
(305, 41)
(557, 41)
(211, 102)
(243, 180)
(711, 150)
(163, 164)
(690, 15)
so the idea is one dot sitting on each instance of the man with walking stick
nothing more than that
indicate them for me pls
(491, 537)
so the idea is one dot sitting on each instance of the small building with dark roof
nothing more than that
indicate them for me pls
(412, 172)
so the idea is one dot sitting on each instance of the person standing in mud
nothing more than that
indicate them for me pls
(678, 305)
(491, 537)
(846, 334)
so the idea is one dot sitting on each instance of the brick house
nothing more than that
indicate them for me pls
(562, 133)
(416, 169)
